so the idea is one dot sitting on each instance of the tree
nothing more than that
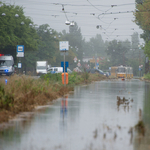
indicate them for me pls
(142, 15)
(139, 1)
(47, 48)
(75, 40)
(97, 45)
(16, 29)
(117, 52)
(135, 41)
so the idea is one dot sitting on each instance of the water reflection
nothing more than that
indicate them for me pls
(97, 116)
(64, 105)
(141, 141)
(63, 113)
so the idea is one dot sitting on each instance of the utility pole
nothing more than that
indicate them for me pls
(146, 65)
(64, 70)
(95, 60)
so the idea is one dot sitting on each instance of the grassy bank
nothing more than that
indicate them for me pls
(22, 93)
(146, 76)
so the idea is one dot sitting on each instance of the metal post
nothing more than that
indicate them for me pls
(95, 61)
(64, 70)
(21, 65)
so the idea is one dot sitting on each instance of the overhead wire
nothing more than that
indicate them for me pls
(90, 4)
(84, 5)
(93, 5)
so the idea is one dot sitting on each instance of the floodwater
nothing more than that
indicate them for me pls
(88, 119)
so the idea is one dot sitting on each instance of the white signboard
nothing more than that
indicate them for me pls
(64, 45)
(20, 54)
(19, 65)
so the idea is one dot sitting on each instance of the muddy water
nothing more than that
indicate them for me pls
(88, 119)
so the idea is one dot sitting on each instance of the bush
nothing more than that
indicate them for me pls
(85, 77)
(6, 100)
(52, 77)
(147, 76)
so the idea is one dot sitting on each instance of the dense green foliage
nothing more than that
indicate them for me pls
(142, 20)
(16, 29)
(73, 78)
(139, 1)
(6, 100)
(147, 76)
(117, 51)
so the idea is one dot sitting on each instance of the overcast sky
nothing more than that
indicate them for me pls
(113, 17)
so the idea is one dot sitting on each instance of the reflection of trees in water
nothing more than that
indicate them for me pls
(74, 104)
(146, 110)
(13, 133)
(63, 113)
(142, 142)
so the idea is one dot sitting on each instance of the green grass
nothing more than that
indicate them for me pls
(147, 76)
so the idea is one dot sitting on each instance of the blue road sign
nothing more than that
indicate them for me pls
(20, 48)
(66, 65)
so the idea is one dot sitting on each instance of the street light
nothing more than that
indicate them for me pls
(72, 24)
(30, 24)
(1, 5)
(22, 23)
(3, 14)
(67, 22)
(98, 26)
(45, 31)
(16, 15)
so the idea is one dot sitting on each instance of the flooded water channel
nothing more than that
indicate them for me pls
(88, 119)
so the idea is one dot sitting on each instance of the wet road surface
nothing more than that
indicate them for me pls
(88, 119)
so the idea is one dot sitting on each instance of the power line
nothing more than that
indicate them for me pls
(93, 5)
(83, 5)
(122, 12)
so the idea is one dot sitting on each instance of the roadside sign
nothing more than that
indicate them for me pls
(19, 65)
(20, 50)
(21, 54)
(64, 45)
(75, 59)
(66, 65)
(78, 64)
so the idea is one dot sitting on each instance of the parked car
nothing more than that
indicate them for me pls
(77, 69)
(107, 74)
(95, 71)
(58, 70)
(55, 70)
(68, 70)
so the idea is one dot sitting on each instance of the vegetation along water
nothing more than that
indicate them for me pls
(24, 93)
